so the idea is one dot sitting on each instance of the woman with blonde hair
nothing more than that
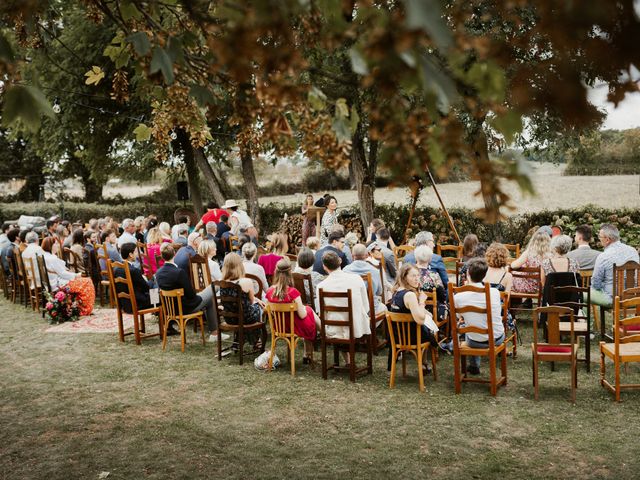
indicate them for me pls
(279, 248)
(537, 251)
(154, 259)
(207, 249)
(233, 271)
(165, 231)
(304, 320)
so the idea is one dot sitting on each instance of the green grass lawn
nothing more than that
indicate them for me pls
(76, 405)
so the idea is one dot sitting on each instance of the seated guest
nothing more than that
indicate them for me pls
(128, 234)
(249, 251)
(375, 225)
(213, 214)
(109, 239)
(172, 277)
(279, 249)
(233, 271)
(374, 258)
(615, 252)
(389, 259)
(336, 242)
(4, 241)
(182, 221)
(185, 253)
(211, 233)
(340, 281)
(306, 258)
(469, 245)
(77, 247)
(498, 275)
(223, 225)
(584, 254)
(182, 231)
(313, 243)
(477, 271)
(23, 243)
(13, 236)
(437, 265)
(129, 252)
(407, 298)
(361, 267)
(479, 252)
(30, 253)
(430, 281)
(560, 246)
(304, 320)
(537, 251)
(346, 248)
(207, 249)
(90, 239)
(139, 223)
(154, 258)
(165, 231)
(59, 276)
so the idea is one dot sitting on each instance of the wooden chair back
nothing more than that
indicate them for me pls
(375, 343)
(404, 333)
(199, 272)
(455, 312)
(586, 277)
(293, 258)
(233, 243)
(528, 273)
(30, 269)
(17, 284)
(327, 309)
(514, 251)
(380, 267)
(625, 277)
(451, 252)
(554, 316)
(281, 319)
(67, 256)
(171, 301)
(303, 283)
(228, 306)
(125, 292)
(401, 251)
(4, 282)
(22, 273)
(257, 283)
(102, 254)
(626, 315)
(44, 274)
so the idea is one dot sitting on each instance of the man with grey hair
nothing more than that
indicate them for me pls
(211, 233)
(615, 252)
(182, 231)
(128, 235)
(437, 265)
(362, 267)
(29, 253)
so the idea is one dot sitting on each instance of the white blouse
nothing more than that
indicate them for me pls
(58, 273)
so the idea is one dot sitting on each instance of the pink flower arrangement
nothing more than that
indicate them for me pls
(62, 305)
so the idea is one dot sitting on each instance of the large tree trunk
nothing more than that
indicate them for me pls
(489, 181)
(194, 181)
(251, 185)
(209, 176)
(364, 172)
(92, 188)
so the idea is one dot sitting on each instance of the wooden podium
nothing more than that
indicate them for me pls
(315, 213)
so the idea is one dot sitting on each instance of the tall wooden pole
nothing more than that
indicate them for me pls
(444, 209)
(416, 187)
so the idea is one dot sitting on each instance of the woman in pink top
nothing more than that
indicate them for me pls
(150, 264)
(279, 248)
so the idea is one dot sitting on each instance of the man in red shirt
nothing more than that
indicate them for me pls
(214, 212)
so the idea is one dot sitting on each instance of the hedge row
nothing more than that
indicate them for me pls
(515, 229)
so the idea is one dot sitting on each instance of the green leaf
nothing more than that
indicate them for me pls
(27, 104)
(128, 11)
(509, 124)
(140, 42)
(161, 62)
(6, 52)
(174, 50)
(317, 99)
(332, 11)
(438, 83)
(427, 15)
(142, 132)
(341, 128)
(355, 119)
(436, 154)
(489, 79)
(342, 110)
(202, 95)
(358, 63)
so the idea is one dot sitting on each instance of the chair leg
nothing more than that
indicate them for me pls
(241, 344)
(434, 357)
(457, 381)
(617, 369)
(136, 329)
(493, 388)
(143, 327)
(204, 343)
(420, 370)
(535, 377)
(352, 361)
(183, 334)
(120, 326)
(404, 364)
(370, 356)
(292, 356)
(323, 348)
(164, 336)
(219, 344)
(602, 365)
(394, 359)
(503, 366)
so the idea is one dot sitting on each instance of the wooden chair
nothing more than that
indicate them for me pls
(625, 277)
(451, 260)
(513, 248)
(127, 293)
(462, 350)
(171, 301)
(401, 251)
(69, 259)
(104, 289)
(380, 267)
(527, 273)
(5, 283)
(17, 283)
(578, 299)
(293, 258)
(553, 350)
(22, 278)
(303, 283)
(348, 343)
(230, 308)
(258, 284)
(459, 265)
(233, 243)
(510, 336)
(586, 283)
(406, 337)
(44, 281)
(199, 272)
(281, 320)
(626, 345)
(32, 283)
(377, 344)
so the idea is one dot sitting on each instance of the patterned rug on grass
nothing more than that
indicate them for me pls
(103, 320)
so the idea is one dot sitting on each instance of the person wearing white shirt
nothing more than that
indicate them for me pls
(249, 251)
(29, 255)
(476, 272)
(128, 235)
(340, 281)
(207, 249)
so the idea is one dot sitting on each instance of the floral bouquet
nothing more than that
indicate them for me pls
(62, 305)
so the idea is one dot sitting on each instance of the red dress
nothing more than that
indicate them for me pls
(303, 327)
(268, 262)
(214, 216)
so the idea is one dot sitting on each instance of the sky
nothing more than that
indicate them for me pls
(625, 115)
